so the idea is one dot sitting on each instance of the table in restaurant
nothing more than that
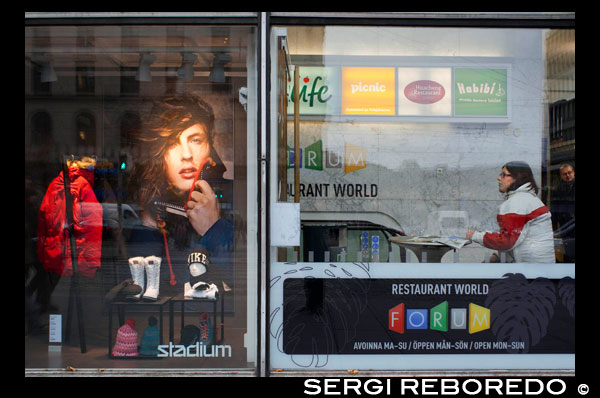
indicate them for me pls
(426, 249)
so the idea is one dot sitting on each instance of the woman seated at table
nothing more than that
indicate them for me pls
(525, 225)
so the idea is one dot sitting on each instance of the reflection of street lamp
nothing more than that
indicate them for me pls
(143, 74)
(186, 70)
(217, 73)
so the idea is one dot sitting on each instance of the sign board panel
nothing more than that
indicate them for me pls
(318, 93)
(403, 316)
(511, 315)
(425, 91)
(285, 224)
(420, 92)
(480, 92)
(368, 91)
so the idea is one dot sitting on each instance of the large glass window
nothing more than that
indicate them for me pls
(147, 262)
(411, 156)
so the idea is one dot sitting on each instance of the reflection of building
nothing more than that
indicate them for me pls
(560, 70)
(91, 102)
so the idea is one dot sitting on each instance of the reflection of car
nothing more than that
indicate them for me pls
(347, 241)
(129, 217)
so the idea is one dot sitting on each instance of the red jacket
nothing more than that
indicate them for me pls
(53, 245)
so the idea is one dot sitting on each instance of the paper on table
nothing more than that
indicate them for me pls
(424, 238)
(453, 241)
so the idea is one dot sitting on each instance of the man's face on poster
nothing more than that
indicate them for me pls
(184, 158)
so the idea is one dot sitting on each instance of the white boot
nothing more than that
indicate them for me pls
(152, 265)
(136, 266)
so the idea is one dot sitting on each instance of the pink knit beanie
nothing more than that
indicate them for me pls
(126, 342)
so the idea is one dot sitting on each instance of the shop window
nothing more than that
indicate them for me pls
(197, 307)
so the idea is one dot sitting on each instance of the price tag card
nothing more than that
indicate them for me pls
(55, 329)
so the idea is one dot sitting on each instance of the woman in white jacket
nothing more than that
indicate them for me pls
(525, 222)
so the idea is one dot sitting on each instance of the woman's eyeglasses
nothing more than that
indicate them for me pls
(503, 174)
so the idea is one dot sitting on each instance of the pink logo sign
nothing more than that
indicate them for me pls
(424, 92)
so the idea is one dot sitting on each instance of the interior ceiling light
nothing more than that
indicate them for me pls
(143, 74)
(186, 70)
(217, 73)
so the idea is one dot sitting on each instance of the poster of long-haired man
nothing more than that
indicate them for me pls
(179, 183)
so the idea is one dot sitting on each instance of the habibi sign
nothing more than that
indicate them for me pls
(480, 92)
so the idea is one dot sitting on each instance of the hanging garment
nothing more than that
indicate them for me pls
(53, 247)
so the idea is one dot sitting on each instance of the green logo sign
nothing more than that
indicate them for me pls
(480, 92)
(317, 91)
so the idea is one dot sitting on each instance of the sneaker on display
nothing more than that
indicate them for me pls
(206, 329)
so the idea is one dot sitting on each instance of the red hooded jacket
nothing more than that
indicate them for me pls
(53, 247)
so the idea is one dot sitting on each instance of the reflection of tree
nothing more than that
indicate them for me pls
(336, 311)
(521, 311)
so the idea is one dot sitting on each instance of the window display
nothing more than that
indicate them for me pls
(147, 250)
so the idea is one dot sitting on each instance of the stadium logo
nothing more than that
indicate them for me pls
(194, 350)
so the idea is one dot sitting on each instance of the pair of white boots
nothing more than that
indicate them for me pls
(151, 267)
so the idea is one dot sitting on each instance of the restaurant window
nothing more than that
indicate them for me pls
(391, 144)
(148, 263)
